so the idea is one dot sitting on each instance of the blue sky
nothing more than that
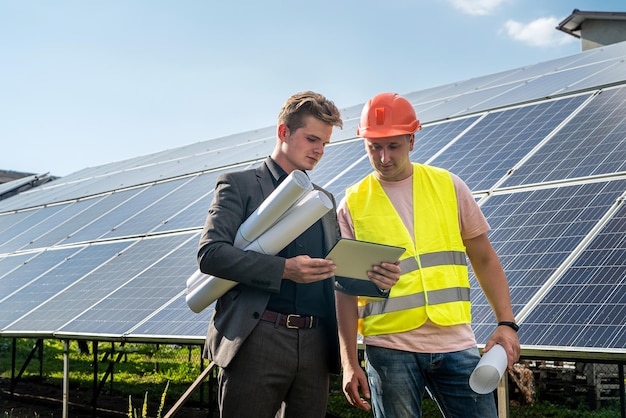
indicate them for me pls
(84, 83)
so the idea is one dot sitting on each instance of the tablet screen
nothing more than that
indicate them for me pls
(355, 258)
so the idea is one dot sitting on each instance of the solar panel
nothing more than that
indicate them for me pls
(543, 86)
(193, 215)
(155, 213)
(592, 143)
(347, 132)
(68, 222)
(69, 266)
(24, 224)
(533, 233)
(97, 285)
(31, 271)
(144, 292)
(10, 263)
(431, 139)
(126, 209)
(604, 76)
(10, 219)
(29, 237)
(175, 319)
(463, 104)
(336, 159)
(501, 139)
(14, 185)
(587, 306)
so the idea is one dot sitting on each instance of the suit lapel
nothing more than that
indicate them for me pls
(264, 178)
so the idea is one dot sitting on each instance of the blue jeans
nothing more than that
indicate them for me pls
(398, 379)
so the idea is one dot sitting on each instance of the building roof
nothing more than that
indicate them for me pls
(572, 24)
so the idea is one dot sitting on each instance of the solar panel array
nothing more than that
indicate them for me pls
(104, 253)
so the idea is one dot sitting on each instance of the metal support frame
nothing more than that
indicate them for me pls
(622, 389)
(181, 401)
(37, 348)
(66, 377)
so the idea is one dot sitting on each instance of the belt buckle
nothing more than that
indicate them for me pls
(288, 321)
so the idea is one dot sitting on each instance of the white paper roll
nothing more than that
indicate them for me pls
(205, 289)
(489, 370)
(296, 220)
(292, 189)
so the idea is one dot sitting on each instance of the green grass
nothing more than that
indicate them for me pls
(143, 368)
(146, 369)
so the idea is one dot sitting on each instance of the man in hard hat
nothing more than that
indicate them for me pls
(274, 335)
(417, 330)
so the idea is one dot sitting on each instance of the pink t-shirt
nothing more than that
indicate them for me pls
(430, 337)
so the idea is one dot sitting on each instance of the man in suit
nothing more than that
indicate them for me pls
(274, 335)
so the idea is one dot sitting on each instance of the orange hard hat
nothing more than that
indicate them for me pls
(387, 114)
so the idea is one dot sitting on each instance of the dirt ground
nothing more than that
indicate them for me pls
(41, 400)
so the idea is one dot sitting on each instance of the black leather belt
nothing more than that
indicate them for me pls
(290, 320)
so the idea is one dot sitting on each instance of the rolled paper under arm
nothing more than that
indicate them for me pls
(293, 188)
(204, 289)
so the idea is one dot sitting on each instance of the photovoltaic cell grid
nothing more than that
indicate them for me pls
(30, 271)
(44, 286)
(543, 86)
(533, 233)
(587, 306)
(63, 232)
(28, 236)
(124, 211)
(337, 185)
(161, 211)
(175, 319)
(336, 159)
(432, 138)
(496, 143)
(145, 293)
(592, 143)
(28, 222)
(194, 214)
(61, 228)
(155, 213)
(9, 219)
(98, 285)
(10, 263)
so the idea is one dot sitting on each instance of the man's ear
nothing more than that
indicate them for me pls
(282, 132)
(411, 142)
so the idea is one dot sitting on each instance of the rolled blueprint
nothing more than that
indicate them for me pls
(489, 370)
(294, 187)
(296, 220)
(203, 289)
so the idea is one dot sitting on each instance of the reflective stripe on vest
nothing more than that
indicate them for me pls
(440, 258)
(454, 294)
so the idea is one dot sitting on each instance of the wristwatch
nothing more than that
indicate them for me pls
(509, 324)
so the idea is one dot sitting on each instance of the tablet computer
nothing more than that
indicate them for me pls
(355, 258)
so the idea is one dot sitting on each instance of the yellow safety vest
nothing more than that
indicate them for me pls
(434, 282)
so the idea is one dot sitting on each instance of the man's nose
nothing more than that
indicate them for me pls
(384, 156)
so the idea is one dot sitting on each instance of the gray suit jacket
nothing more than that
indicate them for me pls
(237, 196)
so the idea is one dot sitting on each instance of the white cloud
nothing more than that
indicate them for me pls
(477, 7)
(541, 32)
